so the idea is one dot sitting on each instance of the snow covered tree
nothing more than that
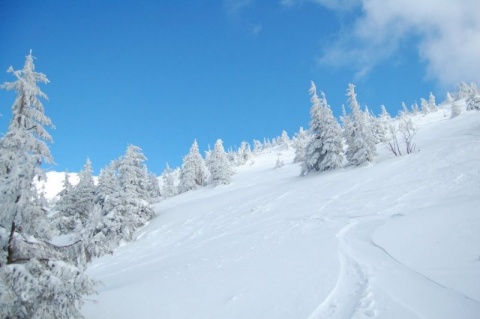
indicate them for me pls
(300, 143)
(132, 172)
(325, 148)
(456, 110)
(383, 124)
(473, 98)
(284, 140)
(107, 183)
(219, 166)
(244, 153)
(431, 102)
(425, 107)
(128, 208)
(168, 187)
(75, 205)
(153, 188)
(193, 172)
(85, 194)
(415, 108)
(23, 149)
(404, 127)
(257, 147)
(361, 144)
(36, 279)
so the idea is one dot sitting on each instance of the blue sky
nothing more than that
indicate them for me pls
(159, 74)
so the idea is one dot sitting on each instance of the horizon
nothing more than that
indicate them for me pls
(159, 74)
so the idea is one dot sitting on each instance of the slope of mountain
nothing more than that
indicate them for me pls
(398, 238)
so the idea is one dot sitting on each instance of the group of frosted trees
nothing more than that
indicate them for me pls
(102, 215)
(37, 279)
(327, 145)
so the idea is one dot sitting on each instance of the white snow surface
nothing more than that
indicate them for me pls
(399, 238)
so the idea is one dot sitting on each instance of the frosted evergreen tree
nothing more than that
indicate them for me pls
(128, 208)
(36, 280)
(267, 144)
(449, 99)
(383, 124)
(193, 172)
(153, 188)
(168, 187)
(431, 102)
(456, 110)
(373, 123)
(75, 205)
(300, 143)
(221, 170)
(325, 148)
(132, 173)
(107, 183)
(284, 140)
(472, 96)
(415, 108)
(257, 147)
(244, 153)
(361, 144)
(425, 107)
(404, 110)
(473, 102)
(85, 194)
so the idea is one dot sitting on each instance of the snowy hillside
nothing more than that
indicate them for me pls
(398, 238)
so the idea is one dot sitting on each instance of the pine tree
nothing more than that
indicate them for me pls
(36, 279)
(383, 124)
(85, 194)
(76, 203)
(168, 187)
(153, 188)
(361, 144)
(324, 150)
(456, 110)
(424, 105)
(300, 143)
(257, 147)
(431, 102)
(193, 172)
(107, 183)
(284, 140)
(219, 166)
(244, 153)
(128, 208)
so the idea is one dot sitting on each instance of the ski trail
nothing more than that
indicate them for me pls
(352, 296)
(373, 284)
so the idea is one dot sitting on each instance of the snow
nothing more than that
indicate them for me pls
(398, 238)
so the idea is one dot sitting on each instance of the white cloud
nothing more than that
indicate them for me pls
(448, 33)
(234, 6)
(256, 29)
(331, 4)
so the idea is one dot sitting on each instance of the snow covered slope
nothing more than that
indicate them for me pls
(395, 239)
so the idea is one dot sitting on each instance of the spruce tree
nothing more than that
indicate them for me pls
(193, 172)
(301, 140)
(219, 166)
(324, 150)
(168, 187)
(36, 278)
(361, 144)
